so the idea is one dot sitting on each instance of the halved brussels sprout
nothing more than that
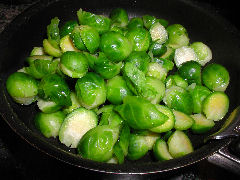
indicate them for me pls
(135, 22)
(203, 52)
(183, 55)
(91, 90)
(179, 99)
(140, 59)
(140, 39)
(215, 77)
(99, 22)
(158, 33)
(22, 88)
(191, 71)
(67, 28)
(176, 80)
(157, 71)
(37, 51)
(177, 36)
(115, 46)
(52, 87)
(119, 17)
(140, 113)
(74, 64)
(48, 106)
(51, 48)
(97, 144)
(117, 89)
(66, 44)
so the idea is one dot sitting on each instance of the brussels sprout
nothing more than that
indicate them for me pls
(201, 124)
(169, 124)
(215, 77)
(179, 99)
(203, 52)
(135, 22)
(176, 80)
(183, 121)
(74, 64)
(66, 44)
(139, 145)
(177, 36)
(140, 59)
(179, 144)
(149, 21)
(77, 39)
(52, 87)
(91, 90)
(105, 67)
(99, 22)
(37, 51)
(75, 125)
(48, 106)
(140, 38)
(169, 55)
(160, 150)
(49, 124)
(140, 113)
(97, 144)
(110, 118)
(53, 30)
(183, 55)
(75, 104)
(34, 57)
(157, 49)
(51, 48)
(154, 90)
(117, 89)
(166, 64)
(67, 28)
(119, 16)
(115, 46)
(198, 93)
(191, 71)
(22, 88)
(157, 71)
(158, 33)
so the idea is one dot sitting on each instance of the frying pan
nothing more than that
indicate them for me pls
(29, 29)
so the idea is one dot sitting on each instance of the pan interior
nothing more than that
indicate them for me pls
(202, 25)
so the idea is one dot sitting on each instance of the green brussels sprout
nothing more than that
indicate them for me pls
(91, 90)
(215, 77)
(154, 90)
(179, 99)
(135, 22)
(203, 52)
(34, 57)
(191, 71)
(183, 55)
(22, 88)
(48, 106)
(140, 39)
(157, 49)
(74, 64)
(176, 80)
(49, 124)
(140, 113)
(117, 29)
(140, 59)
(166, 64)
(148, 21)
(37, 51)
(110, 118)
(119, 16)
(51, 48)
(66, 44)
(117, 89)
(77, 39)
(177, 36)
(198, 93)
(67, 28)
(201, 124)
(99, 22)
(158, 33)
(97, 144)
(39, 68)
(75, 104)
(105, 67)
(52, 87)
(53, 30)
(157, 71)
(160, 150)
(115, 46)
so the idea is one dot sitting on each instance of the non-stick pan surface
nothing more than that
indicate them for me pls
(29, 29)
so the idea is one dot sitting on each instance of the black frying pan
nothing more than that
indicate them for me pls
(29, 29)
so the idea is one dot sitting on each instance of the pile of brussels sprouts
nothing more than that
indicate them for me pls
(116, 88)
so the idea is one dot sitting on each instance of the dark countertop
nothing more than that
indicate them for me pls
(19, 160)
